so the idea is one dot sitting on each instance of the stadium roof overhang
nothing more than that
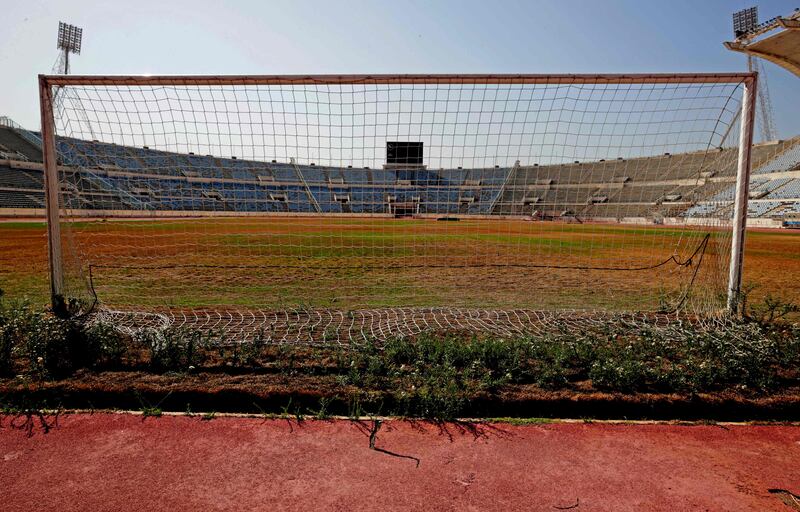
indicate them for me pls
(781, 48)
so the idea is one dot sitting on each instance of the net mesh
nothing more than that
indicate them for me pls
(308, 210)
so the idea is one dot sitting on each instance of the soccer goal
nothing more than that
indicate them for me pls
(347, 208)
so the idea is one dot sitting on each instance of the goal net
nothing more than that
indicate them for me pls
(322, 209)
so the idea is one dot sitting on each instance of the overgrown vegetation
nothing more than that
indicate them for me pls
(175, 349)
(434, 376)
(771, 310)
(47, 346)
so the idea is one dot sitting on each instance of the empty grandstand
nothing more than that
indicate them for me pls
(111, 179)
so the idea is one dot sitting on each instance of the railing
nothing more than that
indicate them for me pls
(30, 137)
(105, 185)
(313, 199)
(514, 171)
(8, 122)
(25, 134)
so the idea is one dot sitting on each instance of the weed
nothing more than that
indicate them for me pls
(107, 345)
(354, 411)
(53, 346)
(285, 410)
(176, 349)
(253, 351)
(436, 376)
(148, 409)
(322, 413)
(6, 342)
(522, 421)
(772, 309)
(151, 412)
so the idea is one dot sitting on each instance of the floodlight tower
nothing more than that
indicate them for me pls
(69, 41)
(745, 25)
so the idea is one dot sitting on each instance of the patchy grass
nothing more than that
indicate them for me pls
(319, 254)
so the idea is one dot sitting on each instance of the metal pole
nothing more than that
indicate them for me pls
(742, 191)
(51, 196)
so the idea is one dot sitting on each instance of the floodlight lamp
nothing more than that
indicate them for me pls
(69, 38)
(745, 21)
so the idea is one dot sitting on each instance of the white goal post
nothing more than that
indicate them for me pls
(743, 169)
(249, 201)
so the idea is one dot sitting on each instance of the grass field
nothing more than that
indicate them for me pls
(343, 263)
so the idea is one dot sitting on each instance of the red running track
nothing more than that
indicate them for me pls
(124, 462)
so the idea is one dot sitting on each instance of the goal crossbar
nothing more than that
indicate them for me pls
(528, 79)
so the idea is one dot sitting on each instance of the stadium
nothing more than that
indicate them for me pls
(474, 250)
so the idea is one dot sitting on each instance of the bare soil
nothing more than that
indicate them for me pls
(301, 396)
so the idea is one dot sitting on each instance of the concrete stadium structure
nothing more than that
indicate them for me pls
(114, 180)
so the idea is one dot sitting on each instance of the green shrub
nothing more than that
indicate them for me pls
(107, 345)
(176, 349)
(48, 345)
(619, 374)
(434, 376)
(53, 346)
(40, 338)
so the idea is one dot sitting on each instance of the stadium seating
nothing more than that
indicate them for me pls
(114, 177)
(758, 209)
(790, 190)
(19, 199)
(18, 178)
(787, 160)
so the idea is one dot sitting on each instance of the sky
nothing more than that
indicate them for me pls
(380, 36)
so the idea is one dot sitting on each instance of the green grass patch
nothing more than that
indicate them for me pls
(521, 421)
(23, 225)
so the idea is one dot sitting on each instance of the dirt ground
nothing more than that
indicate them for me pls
(108, 462)
(301, 392)
(280, 263)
